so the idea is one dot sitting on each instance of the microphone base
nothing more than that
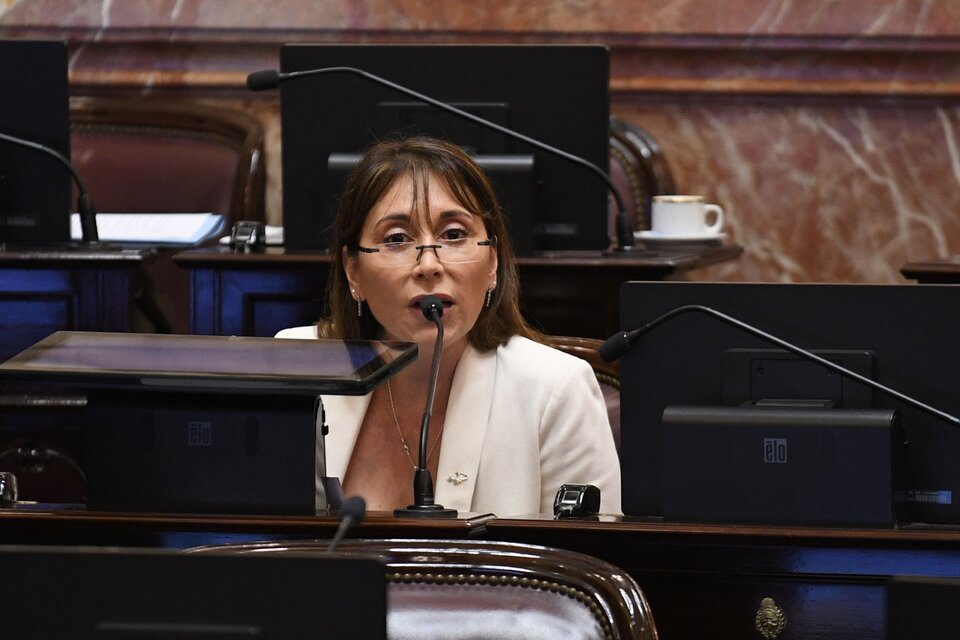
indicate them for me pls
(425, 511)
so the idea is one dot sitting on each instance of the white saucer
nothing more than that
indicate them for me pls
(653, 238)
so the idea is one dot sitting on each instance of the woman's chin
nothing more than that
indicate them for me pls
(424, 332)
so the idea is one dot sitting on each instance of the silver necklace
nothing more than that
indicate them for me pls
(403, 441)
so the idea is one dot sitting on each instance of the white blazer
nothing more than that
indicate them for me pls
(521, 420)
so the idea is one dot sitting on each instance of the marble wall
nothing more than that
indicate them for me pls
(828, 130)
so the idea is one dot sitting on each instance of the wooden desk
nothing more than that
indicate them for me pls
(932, 272)
(42, 291)
(701, 580)
(709, 580)
(564, 293)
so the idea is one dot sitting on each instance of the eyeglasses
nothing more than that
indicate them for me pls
(404, 254)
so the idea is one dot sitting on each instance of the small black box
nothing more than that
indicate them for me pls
(780, 465)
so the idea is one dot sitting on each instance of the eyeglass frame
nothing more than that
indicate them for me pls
(488, 242)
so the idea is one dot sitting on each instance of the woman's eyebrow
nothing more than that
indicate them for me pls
(407, 219)
(456, 213)
(392, 218)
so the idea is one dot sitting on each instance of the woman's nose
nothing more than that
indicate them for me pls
(429, 261)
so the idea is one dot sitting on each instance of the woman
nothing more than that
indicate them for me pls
(512, 419)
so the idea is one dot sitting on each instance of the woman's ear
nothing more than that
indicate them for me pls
(351, 268)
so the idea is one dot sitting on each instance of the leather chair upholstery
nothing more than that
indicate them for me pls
(460, 589)
(639, 169)
(608, 374)
(144, 157)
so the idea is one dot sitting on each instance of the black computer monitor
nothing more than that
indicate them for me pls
(905, 337)
(234, 365)
(148, 594)
(204, 424)
(557, 94)
(922, 607)
(34, 187)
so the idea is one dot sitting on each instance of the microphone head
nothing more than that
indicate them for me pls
(430, 305)
(354, 507)
(614, 347)
(262, 80)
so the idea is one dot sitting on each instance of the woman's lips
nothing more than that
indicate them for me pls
(446, 301)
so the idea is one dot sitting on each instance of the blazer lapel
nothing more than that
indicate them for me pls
(465, 426)
(344, 415)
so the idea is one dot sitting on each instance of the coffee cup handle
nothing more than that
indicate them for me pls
(714, 229)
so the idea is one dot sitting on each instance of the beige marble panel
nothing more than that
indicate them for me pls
(756, 17)
(819, 192)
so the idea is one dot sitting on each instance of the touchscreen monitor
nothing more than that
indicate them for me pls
(224, 364)
(204, 424)
(149, 594)
(35, 107)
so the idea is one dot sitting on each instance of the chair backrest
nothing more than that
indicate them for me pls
(608, 374)
(483, 589)
(136, 156)
(143, 157)
(638, 168)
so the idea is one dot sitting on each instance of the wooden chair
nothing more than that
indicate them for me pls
(638, 168)
(608, 374)
(138, 156)
(482, 589)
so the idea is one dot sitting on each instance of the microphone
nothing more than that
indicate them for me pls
(88, 214)
(423, 505)
(619, 343)
(263, 80)
(352, 511)
(270, 79)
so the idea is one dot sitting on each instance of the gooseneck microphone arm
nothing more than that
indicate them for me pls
(352, 512)
(270, 79)
(618, 344)
(88, 213)
(433, 310)
(423, 505)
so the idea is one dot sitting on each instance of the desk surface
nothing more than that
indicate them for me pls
(77, 255)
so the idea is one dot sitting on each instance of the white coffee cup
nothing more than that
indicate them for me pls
(685, 216)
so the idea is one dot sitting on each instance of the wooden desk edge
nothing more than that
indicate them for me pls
(465, 524)
(475, 524)
(630, 526)
(670, 261)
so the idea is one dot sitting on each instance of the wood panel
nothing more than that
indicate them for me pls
(564, 293)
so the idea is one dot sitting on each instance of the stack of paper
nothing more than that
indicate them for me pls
(154, 228)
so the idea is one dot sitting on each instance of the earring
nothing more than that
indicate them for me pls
(489, 295)
(353, 292)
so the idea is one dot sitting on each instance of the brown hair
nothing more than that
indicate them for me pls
(419, 158)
